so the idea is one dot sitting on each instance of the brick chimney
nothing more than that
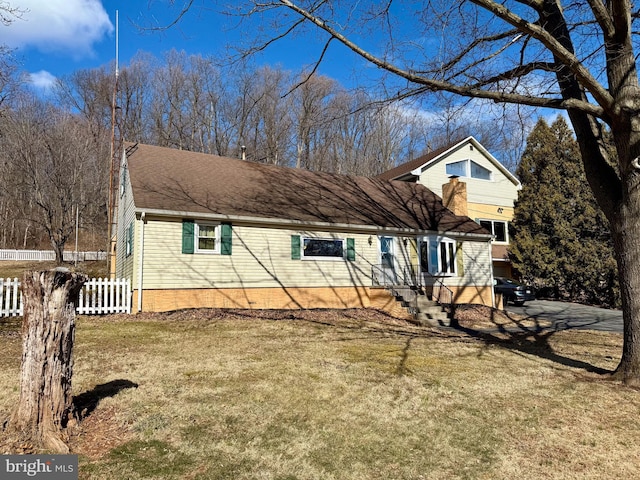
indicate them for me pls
(454, 196)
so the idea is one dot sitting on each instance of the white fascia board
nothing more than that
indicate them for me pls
(495, 161)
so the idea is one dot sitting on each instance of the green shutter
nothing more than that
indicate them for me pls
(188, 231)
(459, 259)
(295, 247)
(225, 239)
(351, 249)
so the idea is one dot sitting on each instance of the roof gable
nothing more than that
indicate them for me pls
(420, 164)
(170, 180)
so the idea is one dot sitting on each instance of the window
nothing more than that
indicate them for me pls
(458, 169)
(203, 237)
(440, 256)
(207, 238)
(468, 168)
(128, 241)
(497, 228)
(323, 248)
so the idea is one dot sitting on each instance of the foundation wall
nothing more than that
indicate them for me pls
(289, 298)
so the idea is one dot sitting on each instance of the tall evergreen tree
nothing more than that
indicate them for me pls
(559, 237)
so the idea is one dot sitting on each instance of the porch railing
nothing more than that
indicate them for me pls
(411, 276)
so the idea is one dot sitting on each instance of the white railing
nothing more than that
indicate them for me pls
(98, 296)
(49, 255)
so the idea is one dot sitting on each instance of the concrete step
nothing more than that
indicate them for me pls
(432, 320)
(426, 312)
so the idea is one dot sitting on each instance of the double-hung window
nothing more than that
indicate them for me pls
(207, 238)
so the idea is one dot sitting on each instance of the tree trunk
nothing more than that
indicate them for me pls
(48, 329)
(58, 248)
(626, 238)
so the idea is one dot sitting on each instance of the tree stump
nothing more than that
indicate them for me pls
(48, 332)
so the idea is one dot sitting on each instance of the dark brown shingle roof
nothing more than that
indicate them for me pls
(411, 165)
(182, 181)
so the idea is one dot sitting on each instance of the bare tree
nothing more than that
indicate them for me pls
(52, 166)
(576, 56)
(309, 114)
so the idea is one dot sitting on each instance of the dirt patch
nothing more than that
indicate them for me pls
(483, 317)
(97, 434)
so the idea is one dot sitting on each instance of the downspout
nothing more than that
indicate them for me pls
(493, 293)
(141, 260)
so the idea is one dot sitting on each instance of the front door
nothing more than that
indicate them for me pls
(387, 260)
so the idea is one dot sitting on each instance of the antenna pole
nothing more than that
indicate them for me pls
(114, 163)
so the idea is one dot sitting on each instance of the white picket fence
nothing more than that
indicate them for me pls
(98, 296)
(49, 255)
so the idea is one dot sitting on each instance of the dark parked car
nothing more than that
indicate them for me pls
(513, 291)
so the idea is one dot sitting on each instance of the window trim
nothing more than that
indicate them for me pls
(217, 238)
(467, 170)
(435, 245)
(493, 222)
(303, 238)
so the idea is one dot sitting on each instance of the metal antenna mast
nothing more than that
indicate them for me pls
(114, 164)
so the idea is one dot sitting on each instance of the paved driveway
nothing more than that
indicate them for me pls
(565, 315)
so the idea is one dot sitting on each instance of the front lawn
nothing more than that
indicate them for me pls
(209, 394)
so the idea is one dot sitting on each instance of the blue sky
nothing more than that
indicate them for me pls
(58, 37)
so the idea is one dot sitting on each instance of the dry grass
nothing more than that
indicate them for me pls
(15, 269)
(340, 395)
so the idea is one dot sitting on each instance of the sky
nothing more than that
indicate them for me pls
(54, 38)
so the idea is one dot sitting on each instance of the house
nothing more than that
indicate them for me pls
(491, 189)
(198, 230)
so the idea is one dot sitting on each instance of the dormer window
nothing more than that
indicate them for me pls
(468, 168)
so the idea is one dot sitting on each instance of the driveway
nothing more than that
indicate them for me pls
(566, 316)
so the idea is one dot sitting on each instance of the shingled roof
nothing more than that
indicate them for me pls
(170, 180)
(411, 165)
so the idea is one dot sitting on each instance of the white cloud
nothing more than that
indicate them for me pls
(42, 80)
(58, 25)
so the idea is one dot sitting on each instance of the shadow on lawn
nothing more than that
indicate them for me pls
(527, 335)
(87, 402)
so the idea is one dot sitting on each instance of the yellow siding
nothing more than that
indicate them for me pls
(261, 274)
(261, 257)
(500, 191)
(490, 212)
(126, 216)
